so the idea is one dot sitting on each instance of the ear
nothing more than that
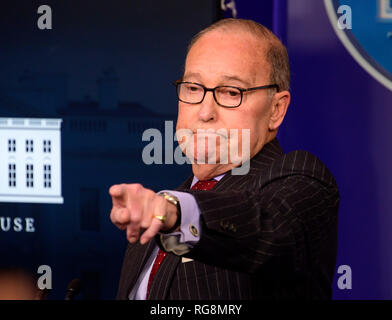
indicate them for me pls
(280, 104)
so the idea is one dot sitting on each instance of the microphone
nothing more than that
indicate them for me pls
(73, 289)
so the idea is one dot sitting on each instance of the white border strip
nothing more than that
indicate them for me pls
(30, 123)
(351, 48)
(27, 199)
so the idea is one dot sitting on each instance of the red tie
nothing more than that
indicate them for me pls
(158, 260)
(200, 185)
(204, 185)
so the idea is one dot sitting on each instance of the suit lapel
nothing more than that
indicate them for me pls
(263, 159)
(136, 257)
(164, 277)
(186, 184)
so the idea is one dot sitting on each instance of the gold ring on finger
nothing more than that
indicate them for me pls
(161, 218)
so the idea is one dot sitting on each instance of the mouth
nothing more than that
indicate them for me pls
(210, 132)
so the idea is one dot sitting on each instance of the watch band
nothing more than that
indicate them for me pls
(173, 200)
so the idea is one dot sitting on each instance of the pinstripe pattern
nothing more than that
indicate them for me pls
(136, 256)
(271, 234)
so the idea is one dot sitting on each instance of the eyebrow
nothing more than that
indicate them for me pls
(224, 77)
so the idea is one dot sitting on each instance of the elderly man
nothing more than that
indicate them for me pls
(268, 234)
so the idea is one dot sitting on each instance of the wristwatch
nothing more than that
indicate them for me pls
(173, 200)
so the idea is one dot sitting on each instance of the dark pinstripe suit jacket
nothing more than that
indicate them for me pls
(270, 234)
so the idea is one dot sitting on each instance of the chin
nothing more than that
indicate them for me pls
(204, 171)
(209, 171)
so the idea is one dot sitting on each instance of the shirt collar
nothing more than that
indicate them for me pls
(218, 178)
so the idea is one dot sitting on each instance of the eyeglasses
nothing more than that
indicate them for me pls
(225, 96)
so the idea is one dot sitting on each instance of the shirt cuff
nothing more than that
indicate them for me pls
(189, 233)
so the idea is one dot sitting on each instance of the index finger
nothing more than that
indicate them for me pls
(117, 191)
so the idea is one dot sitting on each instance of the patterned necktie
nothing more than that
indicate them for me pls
(200, 185)
(158, 260)
(204, 185)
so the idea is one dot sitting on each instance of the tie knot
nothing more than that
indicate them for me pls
(204, 184)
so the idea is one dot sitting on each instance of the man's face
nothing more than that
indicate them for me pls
(233, 59)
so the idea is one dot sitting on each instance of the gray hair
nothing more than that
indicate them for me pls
(276, 53)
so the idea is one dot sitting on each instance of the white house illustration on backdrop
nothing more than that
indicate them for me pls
(30, 160)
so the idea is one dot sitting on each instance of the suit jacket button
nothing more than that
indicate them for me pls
(224, 225)
(233, 228)
(193, 230)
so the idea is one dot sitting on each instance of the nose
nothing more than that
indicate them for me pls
(208, 108)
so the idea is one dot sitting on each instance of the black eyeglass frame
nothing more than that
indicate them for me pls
(242, 90)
